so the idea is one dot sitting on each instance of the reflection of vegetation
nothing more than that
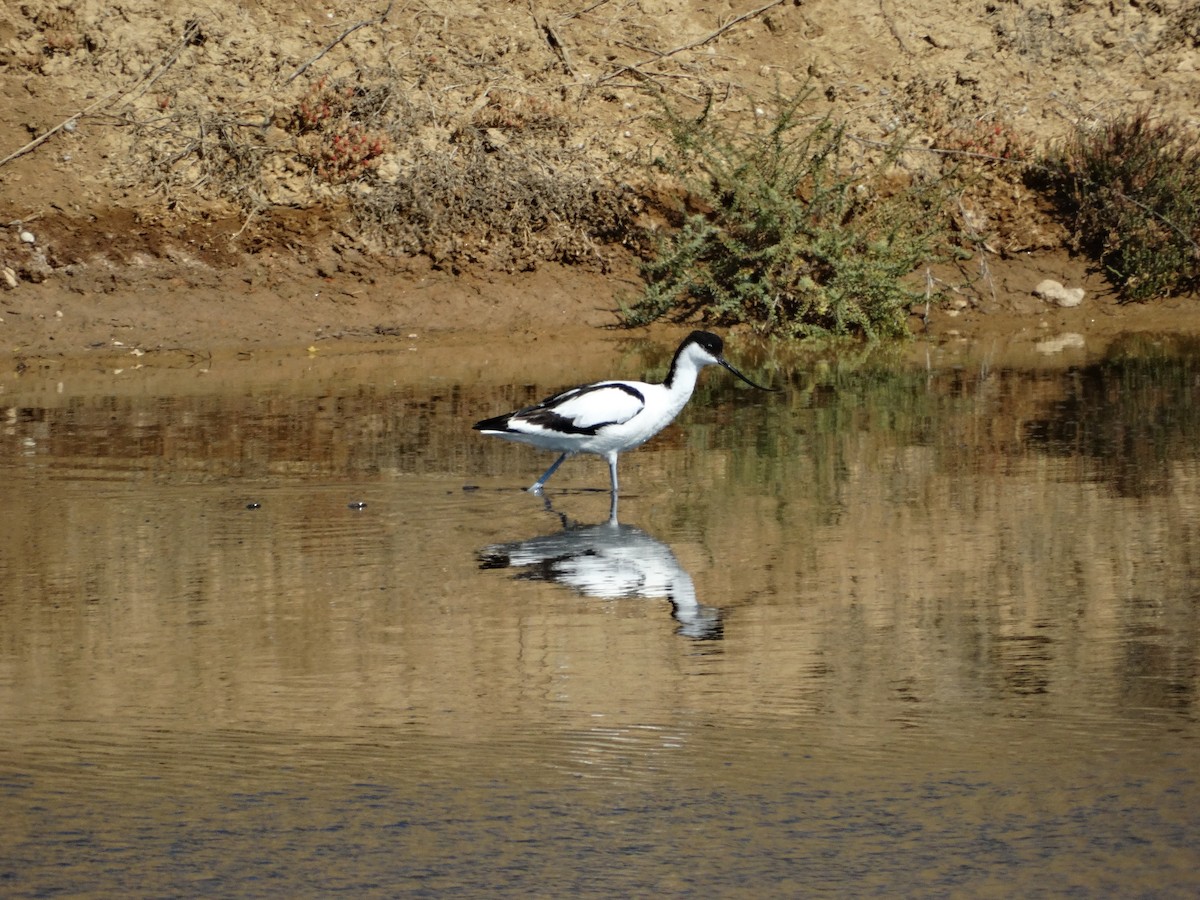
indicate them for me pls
(1131, 416)
(1134, 412)
(839, 412)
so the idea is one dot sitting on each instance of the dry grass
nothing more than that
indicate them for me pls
(500, 183)
(1131, 191)
(480, 147)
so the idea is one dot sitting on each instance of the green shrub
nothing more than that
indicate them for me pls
(785, 237)
(1132, 193)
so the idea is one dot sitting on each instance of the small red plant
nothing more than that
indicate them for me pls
(345, 155)
(985, 139)
(322, 103)
(331, 141)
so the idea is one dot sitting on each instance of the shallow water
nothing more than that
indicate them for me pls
(898, 629)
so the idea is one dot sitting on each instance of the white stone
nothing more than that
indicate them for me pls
(28, 238)
(1053, 292)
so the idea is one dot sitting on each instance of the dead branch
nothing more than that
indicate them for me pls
(559, 48)
(890, 19)
(586, 9)
(736, 20)
(378, 20)
(145, 81)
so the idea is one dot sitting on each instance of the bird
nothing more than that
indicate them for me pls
(609, 417)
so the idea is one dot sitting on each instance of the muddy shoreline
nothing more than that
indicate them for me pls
(169, 314)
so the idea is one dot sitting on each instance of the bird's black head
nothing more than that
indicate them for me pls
(708, 341)
(715, 348)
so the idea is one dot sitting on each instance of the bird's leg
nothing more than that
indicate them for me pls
(536, 487)
(612, 472)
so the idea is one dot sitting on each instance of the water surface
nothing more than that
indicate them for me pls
(925, 629)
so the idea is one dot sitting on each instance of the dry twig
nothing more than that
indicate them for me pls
(145, 81)
(378, 20)
(552, 38)
(736, 20)
(586, 9)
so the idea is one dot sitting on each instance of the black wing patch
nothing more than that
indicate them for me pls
(545, 415)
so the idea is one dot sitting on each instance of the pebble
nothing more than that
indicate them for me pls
(1053, 292)
(28, 238)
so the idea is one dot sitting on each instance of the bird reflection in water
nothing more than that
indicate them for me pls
(609, 561)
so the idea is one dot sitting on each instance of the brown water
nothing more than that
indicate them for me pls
(896, 630)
